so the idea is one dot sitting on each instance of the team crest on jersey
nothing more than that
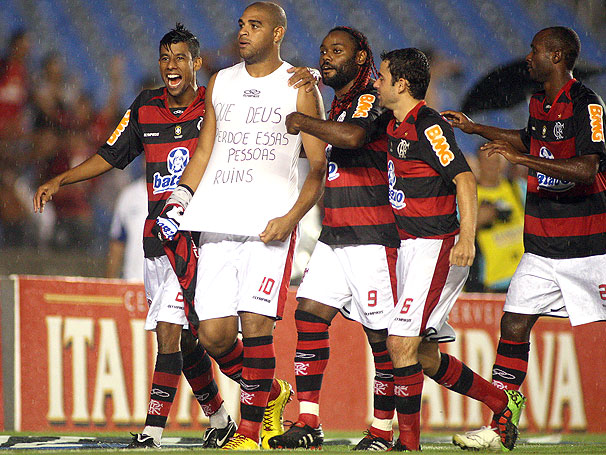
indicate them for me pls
(544, 132)
(364, 106)
(558, 131)
(119, 129)
(551, 183)
(403, 146)
(596, 122)
(333, 171)
(439, 144)
(176, 161)
(396, 197)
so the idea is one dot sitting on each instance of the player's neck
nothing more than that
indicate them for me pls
(343, 90)
(405, 104)
(264, 67)
(555, 84)
(184, 99)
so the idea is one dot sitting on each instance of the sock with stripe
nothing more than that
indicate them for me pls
(230, 362)
(163, 390)
(257, 376)
(510, 366)
(198, 371)
(408, 386)
(311, 359)
(383, 398)
(458, 377)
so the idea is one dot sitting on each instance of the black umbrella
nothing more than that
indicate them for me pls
(509, 85)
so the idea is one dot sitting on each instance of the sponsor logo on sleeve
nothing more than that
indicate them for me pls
(119, 129)
(364, 106)
(596, 116)
(439, 144)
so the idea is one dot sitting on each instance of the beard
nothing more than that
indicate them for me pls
(344, 74)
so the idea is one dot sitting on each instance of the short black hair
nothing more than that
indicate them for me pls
(410, 64)
(567, 40)
(278, 16)
(180, 34)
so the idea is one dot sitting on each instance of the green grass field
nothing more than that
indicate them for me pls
(581, 443)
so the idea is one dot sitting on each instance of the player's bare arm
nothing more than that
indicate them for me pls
(309, 103)
(192, 175)
(92, 167)
(492, 133)
(339, 134)
(303, 76)
(464, 251)
(579, 169)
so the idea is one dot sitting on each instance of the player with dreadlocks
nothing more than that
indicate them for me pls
(352, 269)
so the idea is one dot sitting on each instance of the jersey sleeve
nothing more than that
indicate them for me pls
(525, 135)
(365, 112)
(589, 116)
(442, 152)
(125, 143)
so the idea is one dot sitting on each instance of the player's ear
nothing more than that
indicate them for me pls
(279, 34)
(556, 56)
(402, 85)
(361, 57)
(197, 63)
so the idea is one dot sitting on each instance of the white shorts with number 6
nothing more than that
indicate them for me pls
(428, 287)
(237, 273)
(163, 294)
(359, 280)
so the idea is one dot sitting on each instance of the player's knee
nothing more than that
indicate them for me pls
(188, 342)
(429, 357)
(325, 312)
(375, 336)
(516, 327)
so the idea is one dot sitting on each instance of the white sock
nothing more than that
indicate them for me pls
(154, 432)
(382, 424)
(219, 419)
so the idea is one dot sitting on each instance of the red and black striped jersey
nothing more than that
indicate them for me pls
(423, 160)
(565, 219)
(356, 207)
(168, 137)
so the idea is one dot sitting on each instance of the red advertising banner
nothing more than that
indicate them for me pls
(85, 363)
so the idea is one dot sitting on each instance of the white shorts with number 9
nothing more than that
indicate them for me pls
(358, 280)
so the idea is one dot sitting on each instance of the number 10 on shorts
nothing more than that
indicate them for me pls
(267, 285)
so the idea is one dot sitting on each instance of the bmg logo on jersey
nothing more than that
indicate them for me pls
(176, 161)
(333, 171)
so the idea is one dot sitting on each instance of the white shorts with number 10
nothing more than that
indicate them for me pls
(428, 287)
(242, 274)
(358, 280)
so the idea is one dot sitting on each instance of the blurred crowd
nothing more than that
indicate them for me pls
(48, 124)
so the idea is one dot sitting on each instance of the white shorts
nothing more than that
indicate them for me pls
(358, 280)
(237, 273)
(574, 288)
(163, 293)
(428, 287)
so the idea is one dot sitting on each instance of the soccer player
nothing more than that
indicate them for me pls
(562, 270)
(352, 268)
(428, 178)
(246, 207)
(164, 124)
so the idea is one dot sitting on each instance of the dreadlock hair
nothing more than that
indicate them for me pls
(180, 34)
(366, 71)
